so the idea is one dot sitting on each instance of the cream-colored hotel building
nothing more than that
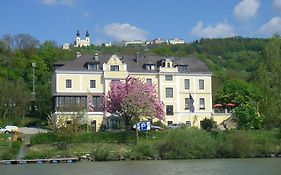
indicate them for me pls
(176, 79)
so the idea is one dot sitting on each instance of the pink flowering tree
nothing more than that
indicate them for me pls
(133, 98)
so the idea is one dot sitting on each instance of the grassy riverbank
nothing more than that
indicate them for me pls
(190, 143)
(8, 149)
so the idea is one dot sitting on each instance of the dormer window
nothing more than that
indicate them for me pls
(182, 68)
(149, 66)
(114, 68)
(92, 66)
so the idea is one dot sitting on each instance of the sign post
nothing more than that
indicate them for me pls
(142, 126)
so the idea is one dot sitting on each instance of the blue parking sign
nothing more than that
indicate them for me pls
(143, 126)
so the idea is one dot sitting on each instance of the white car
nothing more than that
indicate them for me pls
(4, 130)
(9, 129)
(156, 128)
(175, 126)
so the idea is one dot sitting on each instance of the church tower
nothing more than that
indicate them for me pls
(78, 39)
(87, 38)
(81, 42)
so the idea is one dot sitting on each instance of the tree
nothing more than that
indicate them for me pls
(64, 126)
(14, 101)
(246, 98)
(25, 41)
(268, 78)
(133, 98)
(238, 92)
(248, 117)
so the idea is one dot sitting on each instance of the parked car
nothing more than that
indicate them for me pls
(4, 130)
(156, 128)
(12, 128)
(175, 126)
(9, 129)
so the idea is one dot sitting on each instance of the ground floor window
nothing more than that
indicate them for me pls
(76, 103)
(188, 123)
(170, 123)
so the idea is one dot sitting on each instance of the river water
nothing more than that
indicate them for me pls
(164, 167)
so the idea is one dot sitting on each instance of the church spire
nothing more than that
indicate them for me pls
(78, 34)
(87, 34)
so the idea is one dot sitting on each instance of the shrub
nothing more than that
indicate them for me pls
(101, 154)
(237, 145)
(187, 143)
(104, 137)
(143, 149)
(241, 143)
(43, 138)
(207, 124)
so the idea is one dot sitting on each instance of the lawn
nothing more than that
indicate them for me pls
(74, 150)
(4, 142)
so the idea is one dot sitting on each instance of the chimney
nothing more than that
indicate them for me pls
(96, 56)
(78, 54)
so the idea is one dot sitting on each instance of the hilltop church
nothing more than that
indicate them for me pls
(82, 42)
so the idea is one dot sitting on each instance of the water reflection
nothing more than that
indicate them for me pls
(167, 167)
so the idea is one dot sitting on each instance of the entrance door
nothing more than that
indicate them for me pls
(94, 126)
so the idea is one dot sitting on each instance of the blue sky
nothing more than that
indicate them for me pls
(113, 20)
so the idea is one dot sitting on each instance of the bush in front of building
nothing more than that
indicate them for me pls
(43, 138)
(143, 150)
(251, 143)
(187, 143)
(104, 137)
(86, 137)
(208, 124)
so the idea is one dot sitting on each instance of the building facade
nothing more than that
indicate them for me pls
(183, 84)
(175, 41)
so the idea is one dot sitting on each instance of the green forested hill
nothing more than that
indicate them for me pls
(231, 58)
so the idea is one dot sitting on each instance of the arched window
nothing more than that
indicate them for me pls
(168, 65)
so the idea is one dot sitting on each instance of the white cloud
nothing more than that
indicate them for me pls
(271, 27)
(221, 30)
(58, 2)
(246, 9)
(277, 4)
(124, 32)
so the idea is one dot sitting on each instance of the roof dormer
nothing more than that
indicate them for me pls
(149, 66)
(92, 65)
(168, 63)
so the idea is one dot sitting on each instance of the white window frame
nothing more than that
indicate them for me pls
(201, 84)
(167, 92)
(68, 83)
(115, 68)
(172, 112)
(202, 104)
(95, 85)
(169, 77)
(186, 85)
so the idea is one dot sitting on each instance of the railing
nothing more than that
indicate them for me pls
(222, 111)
